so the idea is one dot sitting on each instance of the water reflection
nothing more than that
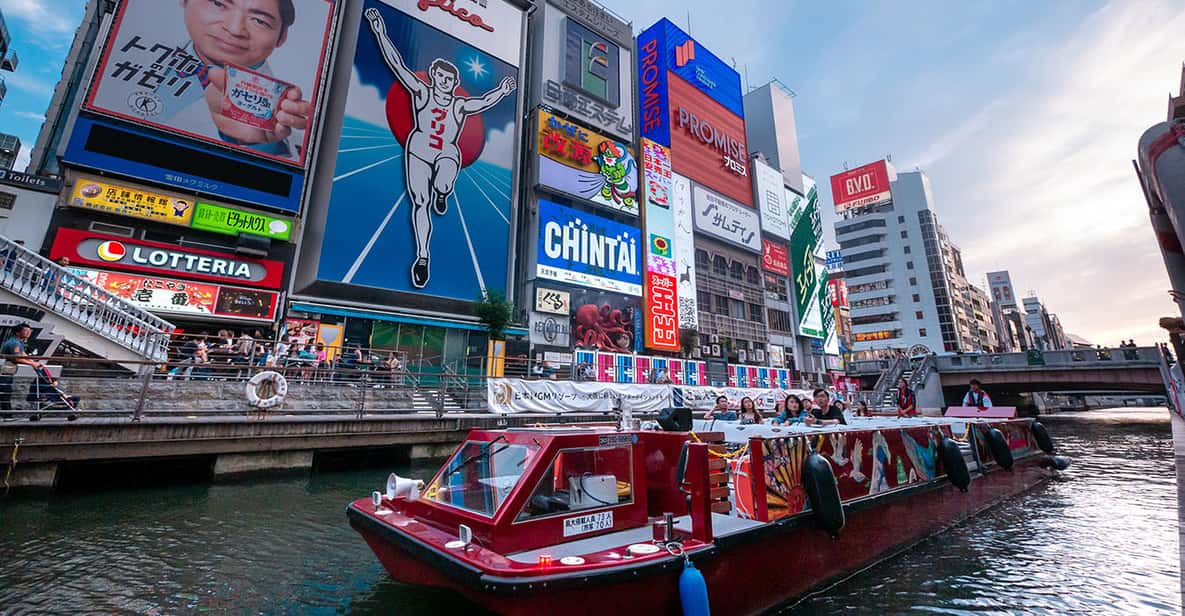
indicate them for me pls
(1102, 542)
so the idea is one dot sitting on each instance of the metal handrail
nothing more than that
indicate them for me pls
(47, 284)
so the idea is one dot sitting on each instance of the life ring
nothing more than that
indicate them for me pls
(272, 384)
(743, 487)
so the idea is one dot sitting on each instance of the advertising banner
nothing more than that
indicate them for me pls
(552, 301)
(233, 221)
(771, 200)
(861, 187)
(584, 68)
(662, 294)
(834, 261)
(806, 234)
(724, 219)
(89, 248)
(93, 193)
(708, 143)
(421, 199)
(185, 298)
(662, 312)
(827, 311)
(684, 239)
(604, 321)
(578, 162)
(587, 250)
(704, 398)
(683, 56)
(1000, 284)
(551, 330)
(838, 290)
(775, 258)
(241, 75)
(544, 396)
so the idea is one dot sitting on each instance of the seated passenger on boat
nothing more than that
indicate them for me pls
(825, 413)
(721, 410)
(977, 397)
(792, 412)
(749, 412)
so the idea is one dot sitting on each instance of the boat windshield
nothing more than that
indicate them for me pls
(481, 475)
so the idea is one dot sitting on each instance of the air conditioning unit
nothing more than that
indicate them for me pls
(742, 355)
(760, 354)
(714, 339)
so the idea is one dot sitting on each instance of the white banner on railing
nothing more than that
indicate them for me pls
(543, 396)
(520, 396)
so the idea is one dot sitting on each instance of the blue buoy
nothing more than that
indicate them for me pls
(693, 591)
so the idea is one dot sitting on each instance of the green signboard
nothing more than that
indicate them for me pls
(810, 288)
(231, 221)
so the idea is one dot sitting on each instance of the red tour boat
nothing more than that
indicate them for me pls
(578, 519)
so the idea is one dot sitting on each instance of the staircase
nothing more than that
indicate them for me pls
(81, 312)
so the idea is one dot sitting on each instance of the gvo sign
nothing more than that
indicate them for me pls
(859, 184)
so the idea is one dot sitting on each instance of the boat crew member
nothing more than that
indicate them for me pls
(907, 401)
(977, 397)
(721, 410)
(824, 413)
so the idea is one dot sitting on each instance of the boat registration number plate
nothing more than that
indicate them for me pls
(588, 523)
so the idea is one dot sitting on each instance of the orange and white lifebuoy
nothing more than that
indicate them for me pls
(742, 485)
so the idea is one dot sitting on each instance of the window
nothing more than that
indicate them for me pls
(752, 275)
(722, 305)
(860, 226)
(901, 219)
(904, 234)
(908, 250)
(864, 256)
(719, 265)
(580, 479)
(738, 271)
(868, 239)
(702, 259)
(7, 200)
(919, 315)
(775, 288)
(481, 474)
(736, 309)
(755, 313)
(779, 321)
(866, 271)
(922, 332)
(909, 265)
(917, 298)
(913, 282)
(704, 299)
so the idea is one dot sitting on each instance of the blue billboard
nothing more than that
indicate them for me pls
(584, 249)
(148, 155)
(421, 197)
(664, 47)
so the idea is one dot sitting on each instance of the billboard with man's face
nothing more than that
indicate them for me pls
(421, 197)
(242, 74)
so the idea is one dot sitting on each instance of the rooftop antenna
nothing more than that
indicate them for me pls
(747, 89)
(889, 157)
(845, 165)
(689, 21)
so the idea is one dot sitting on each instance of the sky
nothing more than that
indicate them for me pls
(1025, 116)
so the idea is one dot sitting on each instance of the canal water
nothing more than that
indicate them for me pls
(1102, 541)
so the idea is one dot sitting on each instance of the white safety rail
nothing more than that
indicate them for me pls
(54, 288)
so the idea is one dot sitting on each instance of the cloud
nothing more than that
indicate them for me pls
(499, 146)
(22, 80)
(365, 102)
(29, 115)
(46, 15)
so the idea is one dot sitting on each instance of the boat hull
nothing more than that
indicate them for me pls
(746, 573)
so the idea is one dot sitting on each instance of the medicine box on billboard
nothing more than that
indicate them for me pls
(423, 173)
(241, 75)
(587, 250)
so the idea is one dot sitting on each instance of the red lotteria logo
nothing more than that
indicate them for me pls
(111, 251)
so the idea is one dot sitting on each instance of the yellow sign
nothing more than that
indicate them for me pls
(95, 194)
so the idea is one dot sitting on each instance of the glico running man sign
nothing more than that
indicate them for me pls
(421, 189)
(580, 248)
(241, 74)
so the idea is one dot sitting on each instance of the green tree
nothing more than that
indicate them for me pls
(495, 314)
(688, 341)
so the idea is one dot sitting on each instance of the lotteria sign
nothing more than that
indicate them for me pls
(581, 248)
(87, 248)
(861, 187)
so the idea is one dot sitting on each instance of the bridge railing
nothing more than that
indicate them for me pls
(1076, 358)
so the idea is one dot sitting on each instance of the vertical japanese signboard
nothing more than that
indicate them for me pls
(771, 200)
(684, 238)
(806, 232)
(661, 309)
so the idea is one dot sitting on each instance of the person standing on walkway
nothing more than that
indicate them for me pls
(907, 401)
(977, 397)
(15, 354)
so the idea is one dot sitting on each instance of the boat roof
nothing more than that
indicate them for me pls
(736, 432)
